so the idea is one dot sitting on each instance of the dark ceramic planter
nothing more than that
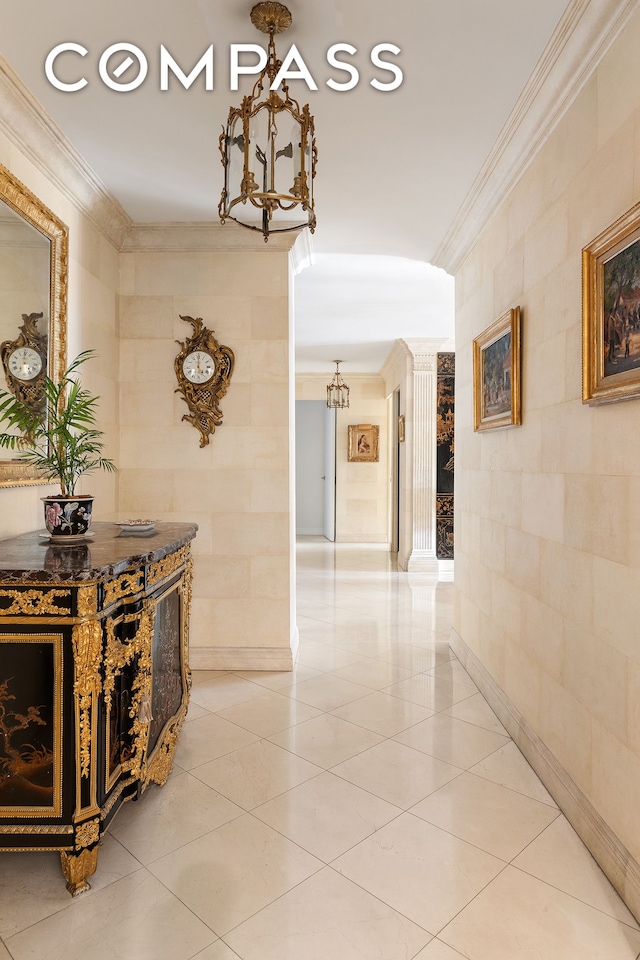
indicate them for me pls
(67, 516)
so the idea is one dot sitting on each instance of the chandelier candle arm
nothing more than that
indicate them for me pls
(268, 148)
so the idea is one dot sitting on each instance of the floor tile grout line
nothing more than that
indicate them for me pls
(471, 843)
(197, 839)
(323, 866)
(329, 712)
(328, 863)
(545, 883)
(251, 809)
(380, 900)
(573, 896)
(442, 713)
(188, 908)
(326, 866)
(72, 901)
(527, 796)
(472, 900)
(403, 809)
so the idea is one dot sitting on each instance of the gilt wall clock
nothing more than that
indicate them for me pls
(25, 362)
(203, 368)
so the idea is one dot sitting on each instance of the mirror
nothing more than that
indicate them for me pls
(33, 303)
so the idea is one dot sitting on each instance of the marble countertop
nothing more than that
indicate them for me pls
(30, 558)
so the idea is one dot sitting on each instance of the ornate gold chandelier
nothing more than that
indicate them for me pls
(268, 148)
(337, 390)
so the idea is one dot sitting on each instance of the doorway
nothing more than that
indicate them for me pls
(315, 469)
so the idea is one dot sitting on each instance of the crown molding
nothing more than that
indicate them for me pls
(420, 346)
(398, 355)
(418, 354)
(582, 38)
(25, 122)
(210, 237)
(350, 377)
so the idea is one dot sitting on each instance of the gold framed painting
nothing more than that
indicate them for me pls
(401, 428)
(611, 312)
(496, 374)
(363, 443)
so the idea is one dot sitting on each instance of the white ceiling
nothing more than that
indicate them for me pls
(373, 300)
(393, 168)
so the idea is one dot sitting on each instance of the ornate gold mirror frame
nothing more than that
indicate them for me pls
(15, 473)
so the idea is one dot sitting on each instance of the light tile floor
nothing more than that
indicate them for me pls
(368, 806)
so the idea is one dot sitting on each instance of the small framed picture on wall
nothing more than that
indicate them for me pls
(611, 312)
(496, 374)
(363, 443)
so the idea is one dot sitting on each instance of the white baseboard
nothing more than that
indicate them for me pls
(605, 847)
(240, 658)
(361, 538)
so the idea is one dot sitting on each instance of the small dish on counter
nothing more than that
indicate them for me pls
(137, 526)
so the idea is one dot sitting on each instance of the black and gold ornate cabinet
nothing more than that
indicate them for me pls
(94, 683)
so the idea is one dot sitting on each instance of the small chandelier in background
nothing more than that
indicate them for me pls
(268, 148)
(337, 390)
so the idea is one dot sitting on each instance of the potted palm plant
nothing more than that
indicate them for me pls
(62, 444)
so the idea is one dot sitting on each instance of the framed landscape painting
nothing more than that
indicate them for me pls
(496, 374)
(611, 313)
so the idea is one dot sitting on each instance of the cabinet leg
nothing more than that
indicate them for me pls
(76, 867)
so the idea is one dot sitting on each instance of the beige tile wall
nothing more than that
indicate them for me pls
(237, 488)
(548, 514)
(92, 324)
(362, 489)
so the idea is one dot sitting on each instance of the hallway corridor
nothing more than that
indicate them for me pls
(368, 806)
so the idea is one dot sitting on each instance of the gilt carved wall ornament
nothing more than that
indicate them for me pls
(203, 368)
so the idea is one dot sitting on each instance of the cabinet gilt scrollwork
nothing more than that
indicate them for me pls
(94, 683)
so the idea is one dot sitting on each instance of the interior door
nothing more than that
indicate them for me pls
(310, 467)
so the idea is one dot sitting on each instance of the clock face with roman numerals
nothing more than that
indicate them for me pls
(198, 367)
(25, 363)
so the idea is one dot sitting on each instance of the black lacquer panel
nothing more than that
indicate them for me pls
(30, 724)
(445, 455)
(167, 678)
